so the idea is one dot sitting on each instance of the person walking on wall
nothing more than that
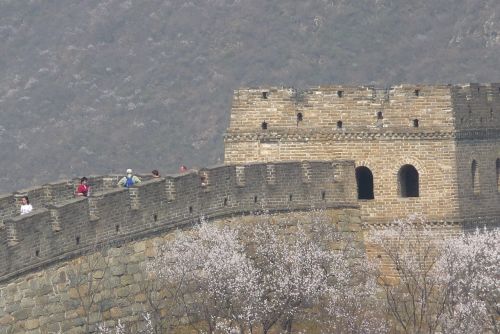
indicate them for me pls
(83, 189)
(26, 207)
(129, 180)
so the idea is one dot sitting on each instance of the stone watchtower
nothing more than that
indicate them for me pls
(430, 149)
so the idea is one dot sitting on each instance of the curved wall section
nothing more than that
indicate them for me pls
(61, 226)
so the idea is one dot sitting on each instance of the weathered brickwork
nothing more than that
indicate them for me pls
(436, 130)
(434, 234)
(62, 226)
(58, 298)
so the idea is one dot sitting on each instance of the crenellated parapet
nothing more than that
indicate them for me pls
(476, 106)
(402, 109)
(62, 226)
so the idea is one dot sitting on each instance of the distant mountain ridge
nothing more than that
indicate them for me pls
(92, 87)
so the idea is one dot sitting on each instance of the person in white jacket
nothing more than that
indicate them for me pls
(26, 207)
(129, 180)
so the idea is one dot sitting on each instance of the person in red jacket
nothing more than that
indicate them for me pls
(83, 189)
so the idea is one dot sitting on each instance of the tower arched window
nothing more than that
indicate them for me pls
(408, 181)
(474, 170)
(498, 175)
(364, 181)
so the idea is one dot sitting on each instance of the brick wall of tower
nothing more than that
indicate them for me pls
(438, 129)
(477, 115)
(357, 107)
(480, 197)
(384, 158)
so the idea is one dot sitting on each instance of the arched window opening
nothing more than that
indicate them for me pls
(475, 177)
(415, 123)
(498, 175)
(408, 181)
(364, 180)
(339, 125)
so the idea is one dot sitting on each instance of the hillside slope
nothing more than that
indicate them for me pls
(102, 85)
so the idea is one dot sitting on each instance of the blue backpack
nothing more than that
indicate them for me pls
(129, 182)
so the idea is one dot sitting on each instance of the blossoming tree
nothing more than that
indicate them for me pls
(436, 282)
(262, 276)
(281, 276)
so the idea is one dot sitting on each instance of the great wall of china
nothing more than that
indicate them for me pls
(61, 226)
(364, 155)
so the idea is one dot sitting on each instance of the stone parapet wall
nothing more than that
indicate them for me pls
(57, 299)
(365, 108)
(476, 106)
(53, 193)
(62, 226)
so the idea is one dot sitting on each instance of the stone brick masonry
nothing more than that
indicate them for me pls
(57, 299)
(44, 255)
(442, 139)
(61, 226)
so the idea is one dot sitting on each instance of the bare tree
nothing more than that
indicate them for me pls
(87, 279)
(414, 296)
(120, 328)
(163, 311)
